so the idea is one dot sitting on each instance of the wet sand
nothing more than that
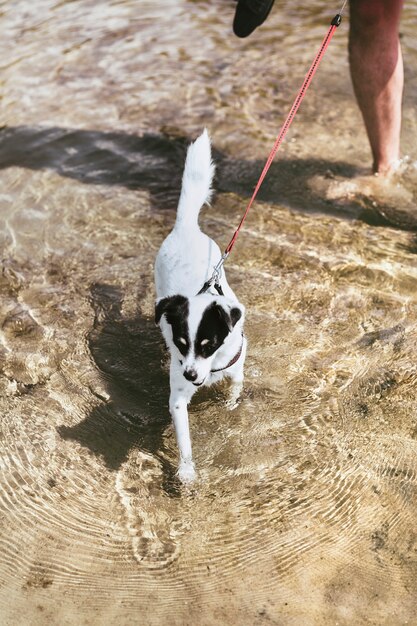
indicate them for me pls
(304, 509)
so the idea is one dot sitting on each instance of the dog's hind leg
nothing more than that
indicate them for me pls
(180, 396)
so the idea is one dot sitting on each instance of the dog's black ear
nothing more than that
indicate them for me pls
(160, 308)
(235, 315)
(229, 318)
(172, 305)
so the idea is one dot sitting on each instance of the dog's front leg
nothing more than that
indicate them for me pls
(180, 396)
(236, 376)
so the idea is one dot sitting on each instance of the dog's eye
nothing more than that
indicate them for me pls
(180, 361)
(204, 342)
(182, 340)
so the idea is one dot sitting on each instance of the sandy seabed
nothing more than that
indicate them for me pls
(304, 509)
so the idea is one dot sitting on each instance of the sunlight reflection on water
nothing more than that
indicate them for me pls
(308, 489)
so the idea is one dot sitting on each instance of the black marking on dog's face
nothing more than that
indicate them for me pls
(215, 325)
(175, 309)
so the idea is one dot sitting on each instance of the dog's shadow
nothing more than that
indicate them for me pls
(127, 353)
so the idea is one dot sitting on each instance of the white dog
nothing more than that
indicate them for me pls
(204, 333)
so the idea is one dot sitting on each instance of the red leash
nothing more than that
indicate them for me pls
(334, 24)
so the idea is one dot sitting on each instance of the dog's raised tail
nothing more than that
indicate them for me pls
(196, 181)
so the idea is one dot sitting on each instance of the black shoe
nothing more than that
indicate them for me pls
(250, 14)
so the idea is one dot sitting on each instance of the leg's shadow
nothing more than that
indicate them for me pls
(154, 162)
(127, 353)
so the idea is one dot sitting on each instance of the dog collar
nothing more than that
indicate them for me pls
(232, 362)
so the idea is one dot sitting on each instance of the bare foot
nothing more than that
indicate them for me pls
(381, 188)
(378, 199)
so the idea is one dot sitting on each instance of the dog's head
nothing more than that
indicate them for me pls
(200, 326)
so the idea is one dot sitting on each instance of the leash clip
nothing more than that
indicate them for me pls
(215, 277)
(336, 20)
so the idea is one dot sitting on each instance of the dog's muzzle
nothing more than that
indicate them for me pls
(190, 374)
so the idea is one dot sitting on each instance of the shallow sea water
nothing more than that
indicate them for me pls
(304, 510)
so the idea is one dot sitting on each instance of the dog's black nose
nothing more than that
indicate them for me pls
(190, 375)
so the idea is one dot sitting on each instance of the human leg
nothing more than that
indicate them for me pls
(377, 74)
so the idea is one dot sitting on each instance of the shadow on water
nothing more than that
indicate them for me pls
(154, 163)
(127, 353)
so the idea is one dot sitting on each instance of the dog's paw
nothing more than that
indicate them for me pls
(186, 472)
(232, 404)
(234, 396)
